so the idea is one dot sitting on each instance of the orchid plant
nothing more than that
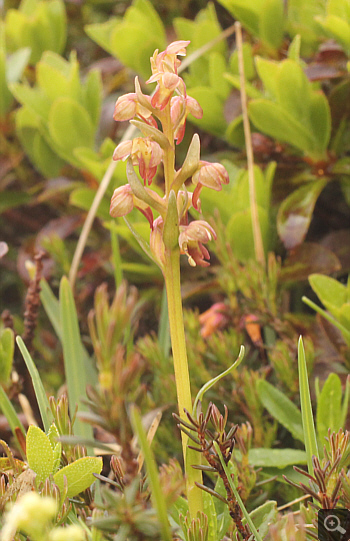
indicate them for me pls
(161, 119)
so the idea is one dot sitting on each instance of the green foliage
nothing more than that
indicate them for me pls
(336, 298)
(7, 348)
(130, 39)
(263, 18)
(11, 70)
(331, 410)
(37, 24)
(336, 23)
(304, 123)
(59, 114)
(44, 454)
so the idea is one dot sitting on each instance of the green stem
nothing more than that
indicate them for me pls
(182, 378)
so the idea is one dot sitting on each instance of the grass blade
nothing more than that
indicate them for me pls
(306, 409)
(10, 413)
(40, 393)
(157, 495)
(73, 356)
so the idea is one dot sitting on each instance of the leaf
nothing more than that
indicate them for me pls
(79, 475)
(295, 213)
(33, 98)
(263, 516)
(320, 119)
(7, 348)
(213, 117)
(153, 475)
(281, 408)
(331, 293)
(274, 120)
(10, 413)
(271, 23)
(276, 458)
(83, 198)
(293, 90)
(73, 355)
(40, 394)
(329, 407)
(209, 510)
(308, 258)
(239, 233)
(40, 454)
(306, 409)
(70, 127)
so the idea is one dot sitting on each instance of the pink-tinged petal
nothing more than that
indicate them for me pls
(193, 107)
(164, 91)
(148, 155)
(195, 197)
(122, 151)
(211, 175)
(147, 212)
(156, 241)
(177, 47)
(122, 201)
(191, 240)
(214, 319)
(125, 107)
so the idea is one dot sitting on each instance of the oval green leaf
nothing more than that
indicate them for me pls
(40, 455)
(79, 475)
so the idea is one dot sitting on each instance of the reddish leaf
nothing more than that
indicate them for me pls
(295, 213)
(306, 259)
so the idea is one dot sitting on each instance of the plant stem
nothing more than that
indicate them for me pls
(258, 242)
(182, 378)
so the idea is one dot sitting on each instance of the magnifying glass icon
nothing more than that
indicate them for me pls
(332, 524)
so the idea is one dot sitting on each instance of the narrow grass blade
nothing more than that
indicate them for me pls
(345, 405)
(51, 306)
(75, 368)
(212, 382)
(40, 394)
(10, 413)
(157, 495)
(237, 496)
(306, 409)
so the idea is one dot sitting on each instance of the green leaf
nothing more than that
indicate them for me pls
(331, 293)
(73, 355)
(293, 90)
(79, 475)
(153, 475)
(70, 127)
(263, 516)
(40, 454)
(306, 409)
(239, 232)
(295, 213)
(281, 408)
(40, 394)
(7, 348)
(213, 116)
(33, 98)
(246, 11)
(10, 413)
(276, 458)
(271, 23)
(268, 71)
(93, 95)
(209, 510)
(329, 407)
(336, 28)
(272, 119)
(217, 68)
(83, 198)
(320, 119)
